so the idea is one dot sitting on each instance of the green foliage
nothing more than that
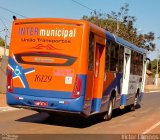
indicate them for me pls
(152, 66)
(121, 24)
(2, 43)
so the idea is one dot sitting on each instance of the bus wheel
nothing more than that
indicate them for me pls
(132, 108)
(136, 100)
(135, 104)
(108, 116)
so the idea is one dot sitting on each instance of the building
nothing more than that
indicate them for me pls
(3, 68)
(149, 78)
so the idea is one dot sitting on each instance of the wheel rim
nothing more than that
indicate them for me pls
(110, 108)
(109, 113)
(136, 100)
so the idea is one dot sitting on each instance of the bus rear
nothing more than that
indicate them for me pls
(45, 70)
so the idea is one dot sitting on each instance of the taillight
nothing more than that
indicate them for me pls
(77, 88)
(9, 81)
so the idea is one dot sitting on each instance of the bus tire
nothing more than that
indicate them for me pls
(136, 100)
(132, 107)
(108, 115)
(135, 104)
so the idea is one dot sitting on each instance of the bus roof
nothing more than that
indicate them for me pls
(123, 42)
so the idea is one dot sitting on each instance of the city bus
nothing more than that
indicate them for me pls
(72, 67)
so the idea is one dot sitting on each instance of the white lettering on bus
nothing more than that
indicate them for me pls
(58, 33)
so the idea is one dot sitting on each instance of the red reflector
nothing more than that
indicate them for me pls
(9, 81)
(40, 103)
(77, 88)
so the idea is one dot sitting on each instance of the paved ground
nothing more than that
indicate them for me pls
(151, 88)
(124, 124)
(144, 120)
(3, 100)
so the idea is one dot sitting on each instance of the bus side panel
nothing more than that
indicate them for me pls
(99, 65)
(89, 89)
(134, 85)
(112, 82)
(89, 93)
(95, 76)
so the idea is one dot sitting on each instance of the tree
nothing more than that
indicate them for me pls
(2, 43)
(152, 66)
(123, 25)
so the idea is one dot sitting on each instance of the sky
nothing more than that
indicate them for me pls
(145, 11)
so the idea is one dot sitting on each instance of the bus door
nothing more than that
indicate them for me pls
(143, 75)
(126, 74)
(98, 76)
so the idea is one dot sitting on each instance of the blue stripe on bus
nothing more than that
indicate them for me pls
(19, 71)
(115, 83)
(123, 99)
(123, 42)
(83, 77)
(96, 104)
(42, 93)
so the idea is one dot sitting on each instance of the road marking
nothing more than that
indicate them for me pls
(151, 128)
(4, 109)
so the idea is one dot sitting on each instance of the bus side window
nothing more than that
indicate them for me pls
(132, 63)
(121, 57)
(136, 64)
(107, 59)
(140, 64)
(117, 57)
(97, 60)
(114, 57)
(91, 52)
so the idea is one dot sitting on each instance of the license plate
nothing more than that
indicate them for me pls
(40, 103)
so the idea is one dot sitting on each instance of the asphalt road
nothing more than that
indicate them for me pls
(145, 120)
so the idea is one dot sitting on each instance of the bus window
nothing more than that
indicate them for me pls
(97, 60)
(121, 57)
(140, 64)
(107, 59)
(91, 52)
(134, 63)
(114, 57)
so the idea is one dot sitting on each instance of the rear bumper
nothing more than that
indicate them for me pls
(51, 111)
(74, 106)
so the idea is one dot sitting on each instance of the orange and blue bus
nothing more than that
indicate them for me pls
(72, 66)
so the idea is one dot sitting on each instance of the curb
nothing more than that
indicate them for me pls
(7, 108)
(151, 91)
